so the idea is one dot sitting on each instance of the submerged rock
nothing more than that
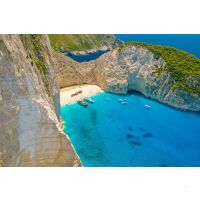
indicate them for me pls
(130, 128)
(138, 143)
(147, 135)
(129, 136)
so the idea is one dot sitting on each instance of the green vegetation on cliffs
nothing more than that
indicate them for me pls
(32, 44)
(183, 67)
(81, 42)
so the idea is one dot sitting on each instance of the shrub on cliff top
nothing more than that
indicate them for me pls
(180, 64)
(79, 42)
(35, 50)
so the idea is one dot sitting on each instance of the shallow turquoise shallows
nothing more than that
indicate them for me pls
(112, 133)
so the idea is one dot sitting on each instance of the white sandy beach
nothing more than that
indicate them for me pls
(87, 91)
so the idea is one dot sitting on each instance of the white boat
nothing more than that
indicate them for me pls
(107, 99)
(147, 106)
(89, 100)
(123, 102)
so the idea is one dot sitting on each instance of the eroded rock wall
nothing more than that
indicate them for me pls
(29, 105)
(132, 68)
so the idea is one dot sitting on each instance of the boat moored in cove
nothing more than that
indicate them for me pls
(147, 106)
(88, 100)
(82, 103)
(107, 99)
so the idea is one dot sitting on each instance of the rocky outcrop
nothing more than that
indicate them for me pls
(131, 68)
(83, 43)
(29, 105)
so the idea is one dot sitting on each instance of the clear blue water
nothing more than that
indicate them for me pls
(109, 133)
(186, 42)
(86, 57)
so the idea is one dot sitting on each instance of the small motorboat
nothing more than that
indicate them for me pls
(82, 103)
(88, 100)
(147, 106)
(122, 101)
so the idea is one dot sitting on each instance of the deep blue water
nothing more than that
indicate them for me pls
(109, 133)
(86, 57)
(186, 42)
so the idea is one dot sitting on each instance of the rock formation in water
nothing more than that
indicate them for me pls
(141, 68)
(29, 105)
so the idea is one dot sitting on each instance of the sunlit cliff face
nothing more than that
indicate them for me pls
(29, 105)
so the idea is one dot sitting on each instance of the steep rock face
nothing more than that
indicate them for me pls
(131, 68)
(29, 105)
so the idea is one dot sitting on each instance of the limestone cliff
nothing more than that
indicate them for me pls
(133, 67)
(29, 105)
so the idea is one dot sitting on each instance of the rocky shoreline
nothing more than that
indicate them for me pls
(94, 50)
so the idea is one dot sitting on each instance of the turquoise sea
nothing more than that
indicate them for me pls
(109, 133)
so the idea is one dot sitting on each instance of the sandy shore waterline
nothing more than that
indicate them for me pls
(87, 91)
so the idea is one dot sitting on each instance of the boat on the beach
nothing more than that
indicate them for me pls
(88, 100)
(82, 103)
(76, 93)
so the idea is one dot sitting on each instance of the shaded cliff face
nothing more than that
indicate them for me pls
(130, 68)
(29, 105)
